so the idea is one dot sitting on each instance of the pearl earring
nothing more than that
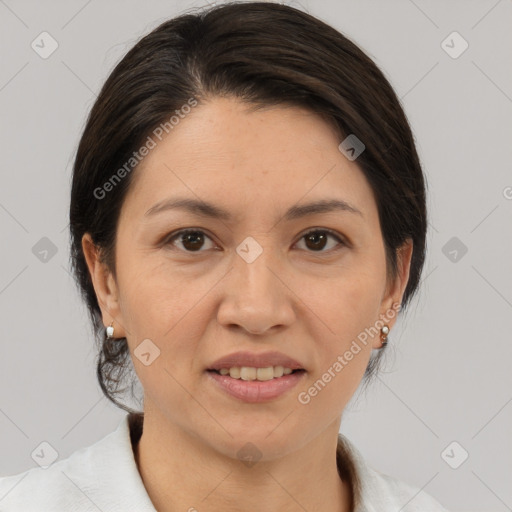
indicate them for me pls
(110, 330)
(384, 335)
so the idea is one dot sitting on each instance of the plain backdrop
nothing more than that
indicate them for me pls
(446, 390)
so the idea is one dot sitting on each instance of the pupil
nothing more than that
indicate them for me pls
(314, 236)
(195, 237)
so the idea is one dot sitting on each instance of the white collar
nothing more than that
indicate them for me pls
(105, 476)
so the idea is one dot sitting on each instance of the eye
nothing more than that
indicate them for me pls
(192, 240)
(317, 238)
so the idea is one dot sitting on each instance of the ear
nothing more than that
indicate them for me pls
(105, 287)
(395, 289)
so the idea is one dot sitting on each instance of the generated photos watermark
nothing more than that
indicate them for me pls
(137, 156)
(341, 361)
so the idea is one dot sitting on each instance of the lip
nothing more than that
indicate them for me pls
(251, 359)
(256, 391)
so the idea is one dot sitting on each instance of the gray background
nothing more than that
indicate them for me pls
(447, 377)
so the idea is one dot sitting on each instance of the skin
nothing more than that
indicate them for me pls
(307, 301)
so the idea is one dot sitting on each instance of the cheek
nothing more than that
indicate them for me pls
(172, 310)
(345, 314)
(344, 348)
(348, 304)
(171, 320)
(155, 296)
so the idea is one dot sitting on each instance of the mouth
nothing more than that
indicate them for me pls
(255, 377)
(251, 373)
(256, 385)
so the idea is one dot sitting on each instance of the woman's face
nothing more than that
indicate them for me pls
(251, 281)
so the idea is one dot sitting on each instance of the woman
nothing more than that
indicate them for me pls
(247, 218)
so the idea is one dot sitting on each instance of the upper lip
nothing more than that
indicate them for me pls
(251, 359)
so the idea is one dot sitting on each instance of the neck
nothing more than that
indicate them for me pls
(184, 473)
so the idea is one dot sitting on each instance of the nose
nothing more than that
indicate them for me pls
(256, 296)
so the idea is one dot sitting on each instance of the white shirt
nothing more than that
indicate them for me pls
(104, 477)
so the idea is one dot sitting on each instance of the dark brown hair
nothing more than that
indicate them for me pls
(265, 54)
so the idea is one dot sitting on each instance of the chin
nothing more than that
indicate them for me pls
(263, 439)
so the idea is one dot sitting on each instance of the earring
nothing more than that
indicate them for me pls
(384, 335)
(110, 330)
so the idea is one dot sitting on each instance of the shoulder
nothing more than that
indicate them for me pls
(378, 492)
(391, 493)
(102, 476)
(59, 486)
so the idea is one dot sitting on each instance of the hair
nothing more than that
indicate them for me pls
(264, 54)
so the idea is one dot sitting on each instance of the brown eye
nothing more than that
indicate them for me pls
(316, 240)
(192, 240)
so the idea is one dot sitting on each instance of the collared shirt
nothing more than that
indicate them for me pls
(104, 477)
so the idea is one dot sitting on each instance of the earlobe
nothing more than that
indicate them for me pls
(103, 282)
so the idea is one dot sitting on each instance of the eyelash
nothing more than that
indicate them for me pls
(169, 239)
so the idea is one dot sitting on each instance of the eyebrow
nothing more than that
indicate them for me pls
(205, 209)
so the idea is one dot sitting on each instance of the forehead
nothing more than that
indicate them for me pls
(225, 152)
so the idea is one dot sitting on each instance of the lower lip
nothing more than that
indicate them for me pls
(255, 391)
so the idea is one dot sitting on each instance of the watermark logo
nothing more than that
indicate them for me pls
(249, 249)
(454, 455)
(44, 45)
(45, 454)
(249, 454)
(44, 250)
(146, 352)
(454, 45)
(454, 249)
(351, 147)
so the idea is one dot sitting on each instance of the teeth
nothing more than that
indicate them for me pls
(247, 373)
(250, 373)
